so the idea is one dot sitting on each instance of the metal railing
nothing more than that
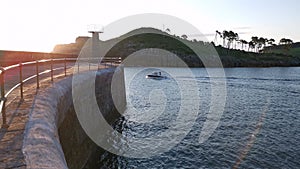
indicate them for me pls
(107, 62)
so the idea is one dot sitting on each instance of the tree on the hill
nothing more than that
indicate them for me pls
(261, 43)
(184, 36)
(271, 42)
(218, 34)
(251, 45)
(289, 41)
(243, 42)
(254, 40)
(231, 37)
(285, 41)
(225, 35)
(236, 39)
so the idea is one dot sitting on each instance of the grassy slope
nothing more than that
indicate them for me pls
(291, 51)
(242, 58)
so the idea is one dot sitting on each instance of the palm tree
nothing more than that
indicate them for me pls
(254, 40)
(236, 38)
(251, 45)
(225, 35)
(243, 42)
(231, 37)
(262, 42)
(216, 36)
(246, 43)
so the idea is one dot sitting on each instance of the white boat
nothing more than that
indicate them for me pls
(156, 75)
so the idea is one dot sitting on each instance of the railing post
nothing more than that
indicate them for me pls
(37, 75)
(51, 69)
(89, 64)
(65, 66)
(3, 99)
(21, 80)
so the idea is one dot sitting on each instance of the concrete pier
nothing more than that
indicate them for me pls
(39, 130)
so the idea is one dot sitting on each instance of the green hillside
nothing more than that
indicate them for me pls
(133, 41)
(289, 49)
(145, 38)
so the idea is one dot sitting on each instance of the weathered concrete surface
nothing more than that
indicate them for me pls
(53, 122)
(41, 145)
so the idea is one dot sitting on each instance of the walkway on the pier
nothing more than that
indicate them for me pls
(17, 110)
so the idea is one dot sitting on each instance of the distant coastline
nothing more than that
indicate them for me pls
(272, 57)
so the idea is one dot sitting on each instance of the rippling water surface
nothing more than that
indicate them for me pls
(259, 127)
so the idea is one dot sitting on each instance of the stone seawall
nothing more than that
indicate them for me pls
(54, 137)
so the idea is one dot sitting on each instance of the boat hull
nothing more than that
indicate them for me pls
(156, 77)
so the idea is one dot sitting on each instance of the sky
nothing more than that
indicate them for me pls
(38, 25)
